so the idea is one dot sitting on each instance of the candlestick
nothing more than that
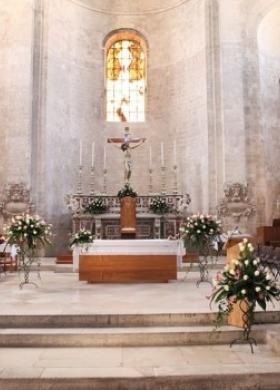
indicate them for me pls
(92, 180)
(80, 177)
(81, 153)
(104, 158)
(150, 158)
(92, 154)
(150, 181)
(162, 154)
(105, 181)
(163, 183)
(175, 152)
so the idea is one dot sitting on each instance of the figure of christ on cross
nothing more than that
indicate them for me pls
(126, 144)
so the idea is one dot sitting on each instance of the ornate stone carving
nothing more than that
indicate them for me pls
(15, 200)
(236, 202)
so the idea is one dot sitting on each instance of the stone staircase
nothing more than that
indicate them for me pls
(92, 335)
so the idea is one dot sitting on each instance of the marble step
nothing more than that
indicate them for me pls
(124, 337)
(250, 380)
(121, 320)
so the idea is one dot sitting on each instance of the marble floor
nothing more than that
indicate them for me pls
(62, 293)
(135, 362)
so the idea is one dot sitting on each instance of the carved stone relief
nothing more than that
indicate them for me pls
(236, 203)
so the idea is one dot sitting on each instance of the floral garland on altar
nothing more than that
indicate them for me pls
(96, 206)
(159, 205)
(82, 237)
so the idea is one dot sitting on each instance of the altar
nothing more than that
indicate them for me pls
(119, 261)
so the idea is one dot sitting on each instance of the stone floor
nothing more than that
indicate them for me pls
(203, 367)
(135, 362)
(62, 293)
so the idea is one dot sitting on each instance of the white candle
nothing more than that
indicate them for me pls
(104, 158)
(92, 154)
(81, 153)
(162, 154)
(150, 159)
(175, 152)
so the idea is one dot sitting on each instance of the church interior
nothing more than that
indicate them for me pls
(140, 194)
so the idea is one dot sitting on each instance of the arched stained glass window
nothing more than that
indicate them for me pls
(125, 79)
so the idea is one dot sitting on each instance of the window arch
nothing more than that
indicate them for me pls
(125, 76)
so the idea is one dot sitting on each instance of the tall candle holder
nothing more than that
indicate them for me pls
(92, 180)
(79, 184)
(105, 171)
(175, 182)
(150, 181)
(163, 182)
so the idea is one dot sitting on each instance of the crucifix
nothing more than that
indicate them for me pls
(126, 145)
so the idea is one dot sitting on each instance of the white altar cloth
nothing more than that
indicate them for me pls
(11, 249)
(128, 247)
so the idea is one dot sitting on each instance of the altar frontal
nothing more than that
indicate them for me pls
(120, 261)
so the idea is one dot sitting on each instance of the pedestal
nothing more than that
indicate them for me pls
(128, 217)
(232, 248)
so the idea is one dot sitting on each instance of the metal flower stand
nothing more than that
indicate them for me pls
(247, 310)
(25, 263)
(203, 270)
(203, 264)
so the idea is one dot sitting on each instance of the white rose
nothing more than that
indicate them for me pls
(267, 288)
(198, 231)
(25, 234)
(34, 232)
(226, 287)
(241, 247)
(232, 272)
(246, 262)
(243, 291)
(255, 262)
(258, 289)
(245, 277)
(245, 240)
(257, 273)
(236, 262)
(268, 277)
(226, 268)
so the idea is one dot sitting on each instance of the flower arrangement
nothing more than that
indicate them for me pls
(199, 230)
(96, 206)
(127, 190)
(82, 237)
(29, 233)
(159, 205)
(245, 280)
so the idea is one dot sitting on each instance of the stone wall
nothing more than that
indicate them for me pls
(207, 72)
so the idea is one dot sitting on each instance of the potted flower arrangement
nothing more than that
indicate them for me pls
(158, 205)
(81, 237)
(247, 283)
(198, 231)
(96, 206)
(29, 233)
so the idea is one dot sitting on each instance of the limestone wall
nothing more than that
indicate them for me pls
(16, 22)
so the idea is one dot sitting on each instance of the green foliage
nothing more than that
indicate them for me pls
(96, 206)
(199, 230)
(82, 237)
(127, 190)
(158, 205)
(28, 231)
(246, 280)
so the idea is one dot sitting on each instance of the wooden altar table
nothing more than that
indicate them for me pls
(124, 261)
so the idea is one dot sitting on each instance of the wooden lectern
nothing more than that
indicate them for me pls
(128, 217)
(232, 248)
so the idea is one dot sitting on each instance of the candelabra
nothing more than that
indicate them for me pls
(92, 180)
(175, 183)
(150, 181)
(105, 181)
(163, 183)
(79, 185)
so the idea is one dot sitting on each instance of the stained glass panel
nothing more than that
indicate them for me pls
(125, 82)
